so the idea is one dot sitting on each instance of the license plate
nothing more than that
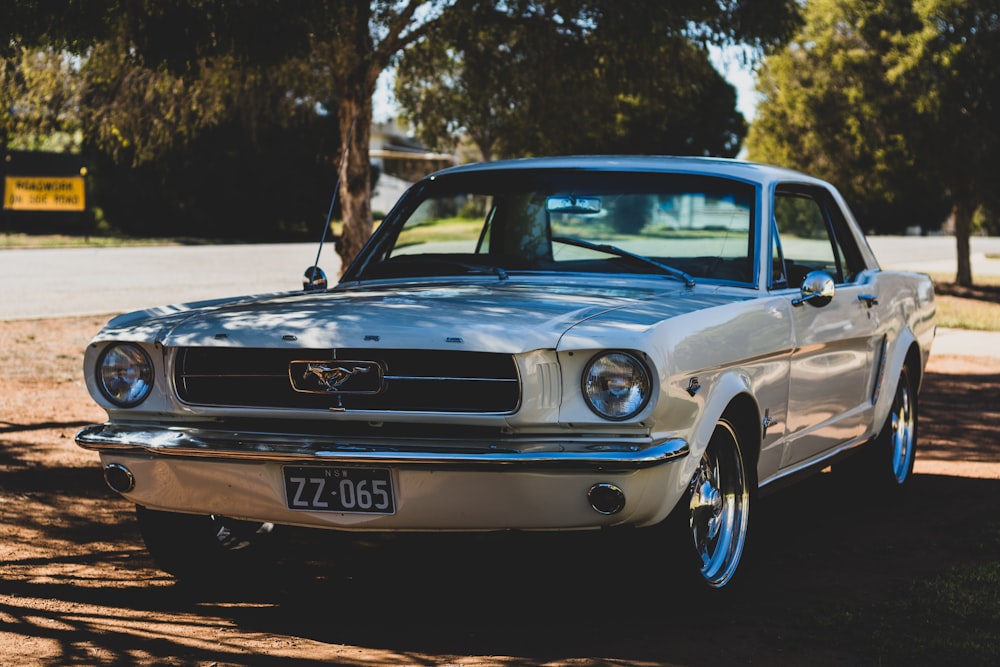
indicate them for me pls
(348, 490)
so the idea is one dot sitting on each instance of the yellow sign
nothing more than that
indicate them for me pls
(44, 193)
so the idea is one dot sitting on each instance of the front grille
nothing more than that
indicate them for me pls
(413, 380)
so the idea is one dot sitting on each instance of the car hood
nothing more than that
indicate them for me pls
(503, 316)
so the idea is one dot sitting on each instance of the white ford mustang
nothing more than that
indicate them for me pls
(544, 344)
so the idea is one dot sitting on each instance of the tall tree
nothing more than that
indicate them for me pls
(896, 102)
(156, 73)
(950, 68)
(160, 71)
(325, 52)
(360, 47)
(828, 108)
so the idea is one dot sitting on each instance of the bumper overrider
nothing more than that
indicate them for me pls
(544, 483)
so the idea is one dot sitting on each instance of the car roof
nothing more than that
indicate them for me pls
(709, 166)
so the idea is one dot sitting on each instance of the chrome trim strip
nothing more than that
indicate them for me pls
(445, 378)
(595, 453)
(880, 373)
(816, 463)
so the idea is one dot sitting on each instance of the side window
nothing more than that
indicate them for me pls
(806, 239)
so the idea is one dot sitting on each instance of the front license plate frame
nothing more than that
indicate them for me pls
(339, 489)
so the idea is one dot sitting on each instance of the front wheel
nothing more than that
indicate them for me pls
(202, 548)
(717, 508)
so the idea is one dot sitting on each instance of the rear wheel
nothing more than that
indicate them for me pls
(202, 548)
(896, 445)
(717, 507)
(885, 465)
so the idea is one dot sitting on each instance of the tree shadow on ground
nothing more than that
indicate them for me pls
(960, 418)
(989, 293)
(76, 576)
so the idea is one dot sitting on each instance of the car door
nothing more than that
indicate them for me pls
(830, 378)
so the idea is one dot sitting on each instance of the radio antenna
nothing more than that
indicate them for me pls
(333, 200)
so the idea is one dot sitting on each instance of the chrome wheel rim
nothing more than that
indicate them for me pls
(903, 432)
(719, 508)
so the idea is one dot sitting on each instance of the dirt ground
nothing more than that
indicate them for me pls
(77, 587)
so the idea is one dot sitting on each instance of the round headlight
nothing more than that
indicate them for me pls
(616, 385)
(125, 374)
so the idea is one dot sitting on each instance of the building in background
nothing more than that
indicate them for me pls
(399, 161)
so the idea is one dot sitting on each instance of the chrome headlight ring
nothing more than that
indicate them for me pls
(124, 374)
(617, 385)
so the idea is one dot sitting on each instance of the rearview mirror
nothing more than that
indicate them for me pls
(571, 204)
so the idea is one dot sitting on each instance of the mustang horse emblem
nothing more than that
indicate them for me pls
(332, 377)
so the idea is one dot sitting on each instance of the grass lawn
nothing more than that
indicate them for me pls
(975, 307)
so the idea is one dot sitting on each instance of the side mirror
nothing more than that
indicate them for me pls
(314, 280)
(817, 289)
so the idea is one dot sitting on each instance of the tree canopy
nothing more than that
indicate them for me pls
(521, 83)
(158, 76)
(898, 103)
(155, 75)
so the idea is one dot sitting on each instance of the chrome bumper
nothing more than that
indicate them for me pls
(544, 453)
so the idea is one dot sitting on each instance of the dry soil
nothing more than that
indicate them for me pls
(78, 588)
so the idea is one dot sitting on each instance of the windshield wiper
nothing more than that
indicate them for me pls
(431, 265)
(621, 252)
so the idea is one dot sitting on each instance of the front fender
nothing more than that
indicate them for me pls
(725, 389)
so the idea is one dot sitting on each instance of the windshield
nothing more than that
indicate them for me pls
(675, 225)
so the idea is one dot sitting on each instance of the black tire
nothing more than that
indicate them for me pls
(895, 447)
(202, 548)
(885, 465)
(713, 518)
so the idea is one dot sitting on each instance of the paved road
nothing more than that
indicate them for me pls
(99, 281)
(935, 254)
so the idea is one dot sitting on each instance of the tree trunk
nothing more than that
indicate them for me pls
(963, 211)
(355, 178)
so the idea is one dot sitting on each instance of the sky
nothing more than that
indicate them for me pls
(730, 64)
